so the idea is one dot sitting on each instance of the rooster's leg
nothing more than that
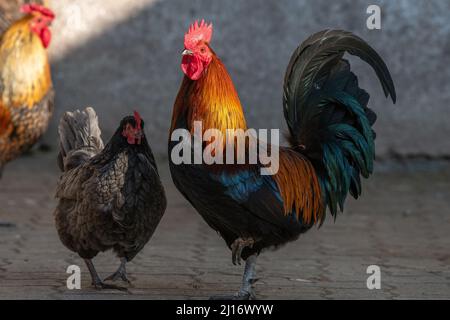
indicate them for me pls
(121, 273)
(96, 281)
(249, 278)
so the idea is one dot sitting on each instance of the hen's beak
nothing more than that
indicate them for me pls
(187, 53)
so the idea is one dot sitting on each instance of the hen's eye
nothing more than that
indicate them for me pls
(202, 50)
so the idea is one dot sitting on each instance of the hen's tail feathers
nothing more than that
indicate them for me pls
(327, 113)
(79, 137)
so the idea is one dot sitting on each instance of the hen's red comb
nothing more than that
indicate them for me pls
(138, 119)
(198, 32)
(34, 7)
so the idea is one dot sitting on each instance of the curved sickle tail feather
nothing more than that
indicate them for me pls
(327, 113)
(80, 138)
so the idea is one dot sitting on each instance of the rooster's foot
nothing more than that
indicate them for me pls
(248, 280)
(240, 296)
(238, 246)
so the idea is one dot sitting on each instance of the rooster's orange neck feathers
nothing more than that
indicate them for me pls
(212, 99)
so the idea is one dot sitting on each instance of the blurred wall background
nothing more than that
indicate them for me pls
(121, 55)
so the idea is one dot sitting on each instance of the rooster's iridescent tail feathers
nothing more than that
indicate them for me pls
(327, 113)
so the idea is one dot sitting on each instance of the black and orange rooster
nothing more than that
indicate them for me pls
(331, 144)
(109, 197)
(26, 90)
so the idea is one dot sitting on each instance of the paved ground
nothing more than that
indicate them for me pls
(402, 224)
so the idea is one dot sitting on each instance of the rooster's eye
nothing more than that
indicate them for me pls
(202, 50)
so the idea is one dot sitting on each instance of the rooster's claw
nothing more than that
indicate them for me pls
(238, 246)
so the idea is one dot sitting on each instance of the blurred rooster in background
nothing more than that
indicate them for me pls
(331, 144)
(109, 197)
(26, 90)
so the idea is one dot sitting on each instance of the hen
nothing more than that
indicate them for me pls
(331, 144)
(109, 197)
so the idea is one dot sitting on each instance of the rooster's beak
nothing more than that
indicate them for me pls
(187, 53)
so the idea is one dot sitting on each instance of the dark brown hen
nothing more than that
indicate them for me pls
(109, 197)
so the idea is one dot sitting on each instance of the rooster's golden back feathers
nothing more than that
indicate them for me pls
(299, 187)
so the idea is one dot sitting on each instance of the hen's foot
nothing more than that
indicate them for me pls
(97, 282)
(99, 285)
(238, 246)
(118, 275)
(121, 273)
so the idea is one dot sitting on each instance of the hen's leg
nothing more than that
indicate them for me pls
(96, 281)
(249, 278)
(121, 273)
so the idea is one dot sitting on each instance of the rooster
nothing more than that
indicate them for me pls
(26, 90)
(109, 197)
(330, 134)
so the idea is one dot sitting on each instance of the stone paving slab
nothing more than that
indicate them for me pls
(402, 224)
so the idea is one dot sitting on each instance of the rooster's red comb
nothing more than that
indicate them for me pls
(198, 32)
(34, 7)
(138, 119)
